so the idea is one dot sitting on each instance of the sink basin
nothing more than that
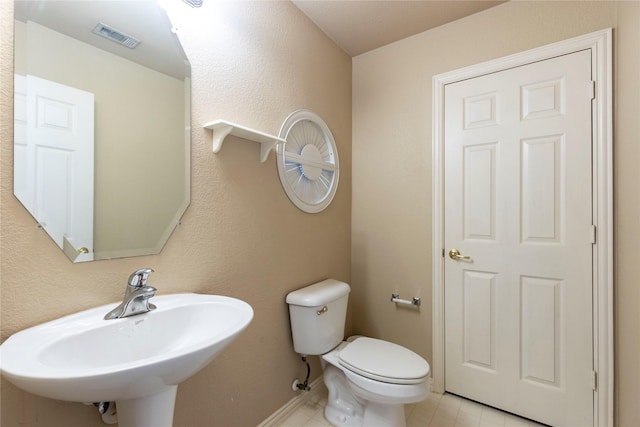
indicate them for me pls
(135, 361)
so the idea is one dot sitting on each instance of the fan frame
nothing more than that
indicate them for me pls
(297, 196)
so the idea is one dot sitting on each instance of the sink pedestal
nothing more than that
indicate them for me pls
(150, 411)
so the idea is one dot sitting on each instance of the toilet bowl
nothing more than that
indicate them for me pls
(380, 375)
(369, 380)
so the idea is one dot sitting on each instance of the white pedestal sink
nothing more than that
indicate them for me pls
(136, 361)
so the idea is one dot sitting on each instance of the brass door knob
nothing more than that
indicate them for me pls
(454, 254)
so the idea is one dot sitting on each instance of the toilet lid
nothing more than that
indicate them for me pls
(384, 361)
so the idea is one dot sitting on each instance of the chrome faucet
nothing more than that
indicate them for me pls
(136, 296)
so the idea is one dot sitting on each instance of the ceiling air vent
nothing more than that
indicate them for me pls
(115, 35)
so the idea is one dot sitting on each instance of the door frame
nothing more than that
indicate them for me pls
(600, 44)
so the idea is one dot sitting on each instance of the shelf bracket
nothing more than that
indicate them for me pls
(219, 135)
(265, 149)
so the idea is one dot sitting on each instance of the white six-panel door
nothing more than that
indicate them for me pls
(54, 158)
(518, 311)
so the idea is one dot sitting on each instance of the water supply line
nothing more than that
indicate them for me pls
(297, 385)
(107, 412)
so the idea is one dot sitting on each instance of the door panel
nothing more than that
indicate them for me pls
(542, 320)
(518, 319)
(54, 150)
(479, 322)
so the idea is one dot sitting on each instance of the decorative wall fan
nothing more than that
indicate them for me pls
(308, 161)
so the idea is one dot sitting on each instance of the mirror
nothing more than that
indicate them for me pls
(102, 130)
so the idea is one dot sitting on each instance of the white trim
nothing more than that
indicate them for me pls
(600, 43)
(278, 417)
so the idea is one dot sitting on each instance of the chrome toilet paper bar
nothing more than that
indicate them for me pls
(415, 301)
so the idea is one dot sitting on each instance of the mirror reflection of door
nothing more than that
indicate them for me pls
(53, 159)
(141, 125)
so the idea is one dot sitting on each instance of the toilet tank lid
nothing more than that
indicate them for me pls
(319, 293)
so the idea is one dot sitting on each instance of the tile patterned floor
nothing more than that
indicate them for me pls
(437, 411)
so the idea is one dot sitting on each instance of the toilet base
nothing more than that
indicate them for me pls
(344, 409)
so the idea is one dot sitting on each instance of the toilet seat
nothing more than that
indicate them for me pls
(383, 361)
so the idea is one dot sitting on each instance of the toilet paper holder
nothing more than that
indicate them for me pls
(415, 301)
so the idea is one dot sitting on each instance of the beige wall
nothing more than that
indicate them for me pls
(391, 211)
(253, 63)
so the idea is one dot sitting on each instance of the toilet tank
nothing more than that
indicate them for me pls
(318, 313)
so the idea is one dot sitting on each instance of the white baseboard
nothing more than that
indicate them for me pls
(278, 417)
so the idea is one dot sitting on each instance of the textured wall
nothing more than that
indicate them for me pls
(391, 212)
(253, 63)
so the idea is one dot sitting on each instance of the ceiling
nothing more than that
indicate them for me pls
(358, 26)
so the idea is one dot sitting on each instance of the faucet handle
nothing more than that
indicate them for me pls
(139, 277)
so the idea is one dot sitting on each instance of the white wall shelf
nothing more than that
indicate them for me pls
(222, 128)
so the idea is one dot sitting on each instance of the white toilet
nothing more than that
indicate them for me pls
(369, 380)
